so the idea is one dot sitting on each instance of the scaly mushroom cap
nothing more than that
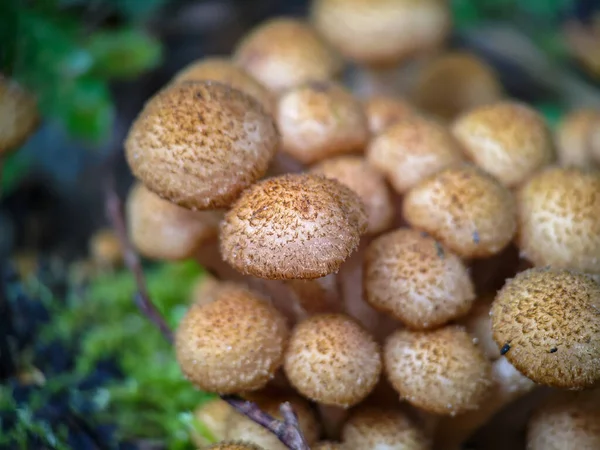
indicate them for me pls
(440, 371)
(369, 185)
(547, 323)
(162, 230)
(559, 219)
(383, 112)
(372, 428)
(454, 83)
(575, 141)
(479, 324)
(332, 360)
(507, 139)
(283, 52)
(416, 280)
(319, 120)
(296, 226)
(566, 421)
(234, 445)
(233, 344)
(412, 150)
(199, 144)
(19, 115)
(382, 32)
(212, 416)
(466, 209)
(225, 71)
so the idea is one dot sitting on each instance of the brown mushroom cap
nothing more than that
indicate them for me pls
(225, 71)
(296, 226)
(566, 421)
(466, 209)
(383, 112)
(416, 280)
(284, 52)
(233, 344)
(507, 139)
(454, 83)
(105, 248)
(547, 323)
(319, 120)
(332, 360)
(575, 141)
(162, 230)
(372, 428)
(355, 173)
(19, 115)
(440, 371)
(479, 324)
(234, 445)
(382, 32)
(199, 144)
(559, 219)
(212, 418)
(412, 150)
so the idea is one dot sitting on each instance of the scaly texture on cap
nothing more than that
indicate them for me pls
(566, 421)
(372, 428)
(507, 139)
(575, 141)
(296, 226)
(412, 150)
(320, 120)
(354, 172)
(479, 324)
(440, 371)
(162, 230)
(383, 112)
(454, 83)
(199, 144)
(19, 115)
(547, 323)
(284, 52)
(382, 32)
(225, 71)
(233, 344)
(466, 209)
(559, 219)
(332, 360)
(212, 415)
(416, 280)
(234, 445)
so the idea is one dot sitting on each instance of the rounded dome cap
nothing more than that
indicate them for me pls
(383, 112)
(19, 115)
(575, 141)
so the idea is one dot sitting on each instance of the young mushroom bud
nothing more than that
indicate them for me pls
(199, 144)
(466, 209)
(211, 418)
(383, 112)
(19, 115)
(413, 278)
(441, 371)
(319, 120)
(412, 150)
(559, 219)
(106, 249)
(371, 428)
(232, 344)
(355, 173)
(162, 230)
(296, 226)
(282, 53)
(547, 324)
(575, 142)
(509, 140)
(332, 360)
(234, 445)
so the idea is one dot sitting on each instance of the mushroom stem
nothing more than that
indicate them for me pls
(369, 81)
(333, 419)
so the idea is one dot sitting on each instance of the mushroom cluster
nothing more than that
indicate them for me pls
(351, 238)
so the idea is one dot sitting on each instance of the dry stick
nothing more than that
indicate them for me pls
(287, 431)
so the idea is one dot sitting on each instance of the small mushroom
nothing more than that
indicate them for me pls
(233, 344)
(200, 144)
(162, 230)
(369, 185)
(332, 360)
(559, 219)
(319, 120)
(383, 112)
(416, 280)
(284, 52)
(547, 324)
(441, 371)
(211, 417)
(296, 226)
(576, 146)
(19, 115)
(466, 209)
(234, 445)
(509, 140)
(105, 248)
(412, 150)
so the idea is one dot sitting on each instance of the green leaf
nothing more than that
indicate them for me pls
(136, 10)
(14, 168)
